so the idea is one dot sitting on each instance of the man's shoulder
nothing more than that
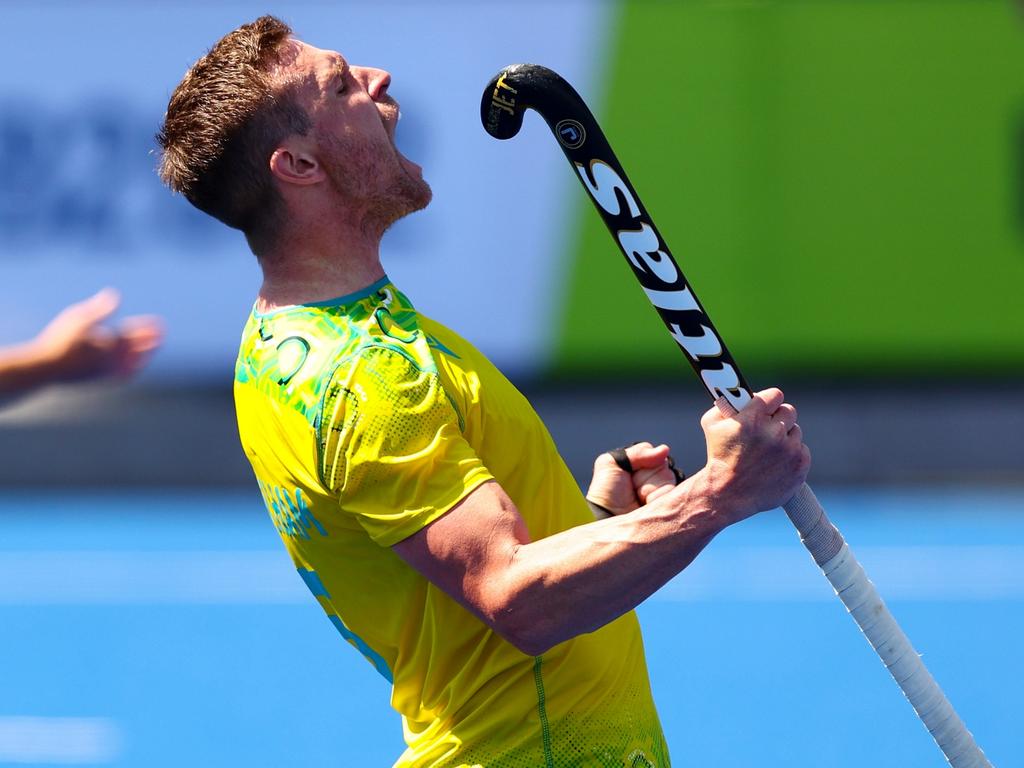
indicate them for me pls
(290, 356)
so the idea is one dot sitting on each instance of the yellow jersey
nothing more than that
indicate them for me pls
(364, 421)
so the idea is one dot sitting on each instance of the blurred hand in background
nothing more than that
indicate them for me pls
(77, 345)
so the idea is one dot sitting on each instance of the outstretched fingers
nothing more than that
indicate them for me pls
(92, 311)
(138, 337)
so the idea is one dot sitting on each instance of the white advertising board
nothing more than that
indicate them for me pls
(83, 88)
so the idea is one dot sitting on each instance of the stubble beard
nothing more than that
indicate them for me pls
(374, 178)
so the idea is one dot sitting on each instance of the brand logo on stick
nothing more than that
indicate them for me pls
(668, 292)
(570, 133)
(502, 100)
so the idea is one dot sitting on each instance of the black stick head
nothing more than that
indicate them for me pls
(519, 87)
(527, 86)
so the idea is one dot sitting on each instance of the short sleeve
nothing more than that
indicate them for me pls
(390, 445)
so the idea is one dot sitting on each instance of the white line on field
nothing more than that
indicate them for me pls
(758, 574)
(60, 740)
(785, 574)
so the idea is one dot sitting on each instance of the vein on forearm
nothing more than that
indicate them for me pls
(580, 579)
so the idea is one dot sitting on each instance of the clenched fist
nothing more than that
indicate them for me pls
(756, 459)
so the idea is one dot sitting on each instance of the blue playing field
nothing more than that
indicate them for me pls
(163, 629)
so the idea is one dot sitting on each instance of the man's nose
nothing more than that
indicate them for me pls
(376, 81)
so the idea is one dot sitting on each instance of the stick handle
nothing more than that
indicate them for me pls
(867, 608)
(852, 585)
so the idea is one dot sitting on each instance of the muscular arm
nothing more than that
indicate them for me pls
(539, 593)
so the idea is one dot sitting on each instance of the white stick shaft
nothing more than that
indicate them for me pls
(830, 551)
(862, 600)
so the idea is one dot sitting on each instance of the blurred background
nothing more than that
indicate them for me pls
(843, 184)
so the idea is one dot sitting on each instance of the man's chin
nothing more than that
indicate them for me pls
(426, 195)
(419, 193)
(413, 194)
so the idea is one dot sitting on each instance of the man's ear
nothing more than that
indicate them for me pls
(292, 164)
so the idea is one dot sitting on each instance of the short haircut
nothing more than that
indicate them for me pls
(223, 122)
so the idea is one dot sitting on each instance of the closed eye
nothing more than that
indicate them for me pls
(342, 81)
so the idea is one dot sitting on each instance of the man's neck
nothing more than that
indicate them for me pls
(318, 265)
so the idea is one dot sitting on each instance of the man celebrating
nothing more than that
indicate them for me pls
(419, 495)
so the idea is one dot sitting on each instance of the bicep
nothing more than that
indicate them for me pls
(467, 551)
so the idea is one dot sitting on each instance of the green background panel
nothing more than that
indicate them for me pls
(840, 182)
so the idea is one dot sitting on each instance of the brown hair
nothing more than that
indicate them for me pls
(223, 121)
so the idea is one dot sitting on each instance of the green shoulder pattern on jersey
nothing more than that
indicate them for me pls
(291, 354)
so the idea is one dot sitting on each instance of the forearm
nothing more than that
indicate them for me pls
(583, 578)
(22, 367)
(539, 593)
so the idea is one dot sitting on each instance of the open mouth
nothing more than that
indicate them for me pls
(390, 114)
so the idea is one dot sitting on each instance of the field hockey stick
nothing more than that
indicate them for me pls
(527, 86)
